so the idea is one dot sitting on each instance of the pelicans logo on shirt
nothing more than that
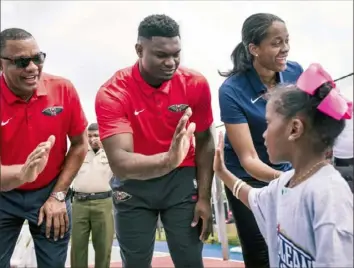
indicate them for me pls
(176, 108)
(291, 255)
(53, 111)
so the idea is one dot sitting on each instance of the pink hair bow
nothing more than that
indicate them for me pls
(334, 104)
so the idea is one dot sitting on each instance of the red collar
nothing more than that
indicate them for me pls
(11, 98)
(145, 87)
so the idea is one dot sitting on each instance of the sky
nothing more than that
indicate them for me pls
(88, 41)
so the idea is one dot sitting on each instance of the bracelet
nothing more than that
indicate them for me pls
(234, 188)
(239, 188)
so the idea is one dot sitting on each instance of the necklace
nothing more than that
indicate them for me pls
(270, 84)
(297, 180)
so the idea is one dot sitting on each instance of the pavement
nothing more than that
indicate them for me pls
(24, 255)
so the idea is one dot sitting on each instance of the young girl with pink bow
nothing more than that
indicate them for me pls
(306, 215)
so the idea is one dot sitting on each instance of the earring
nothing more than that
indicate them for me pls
(256, 55)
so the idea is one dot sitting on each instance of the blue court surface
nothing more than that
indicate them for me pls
(209, 250)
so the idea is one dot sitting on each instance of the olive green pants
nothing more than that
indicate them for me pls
(92, 216)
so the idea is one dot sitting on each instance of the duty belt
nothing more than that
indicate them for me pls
(92, 196)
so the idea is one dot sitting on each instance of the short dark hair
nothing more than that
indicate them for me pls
(290, 101)
(93, 127)
(158, 25)
(13, 34)
(254, 30)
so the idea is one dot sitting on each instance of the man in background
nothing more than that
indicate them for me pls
(92, 206)
(36, 107)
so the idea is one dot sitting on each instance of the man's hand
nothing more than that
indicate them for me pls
(203, 211)
(56, 216)
(181, 140)
(96, 142)
(36, 161)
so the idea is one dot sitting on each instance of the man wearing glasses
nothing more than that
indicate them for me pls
(36, 108)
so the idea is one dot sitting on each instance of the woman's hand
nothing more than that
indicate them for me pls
(219, 163)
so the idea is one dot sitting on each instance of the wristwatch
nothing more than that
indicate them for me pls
(60, 196)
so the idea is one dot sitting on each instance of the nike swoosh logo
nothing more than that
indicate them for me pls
(138, 112)
(4, 123)
(255, 100)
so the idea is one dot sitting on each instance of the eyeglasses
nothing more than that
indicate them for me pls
(23, 62)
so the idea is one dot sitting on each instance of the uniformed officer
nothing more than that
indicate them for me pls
(92, 206)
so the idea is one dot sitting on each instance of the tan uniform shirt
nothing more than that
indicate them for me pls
(94, 174)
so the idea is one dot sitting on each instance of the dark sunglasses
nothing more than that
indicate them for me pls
(23, 62)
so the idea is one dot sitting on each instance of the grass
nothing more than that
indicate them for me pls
(231, 235)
